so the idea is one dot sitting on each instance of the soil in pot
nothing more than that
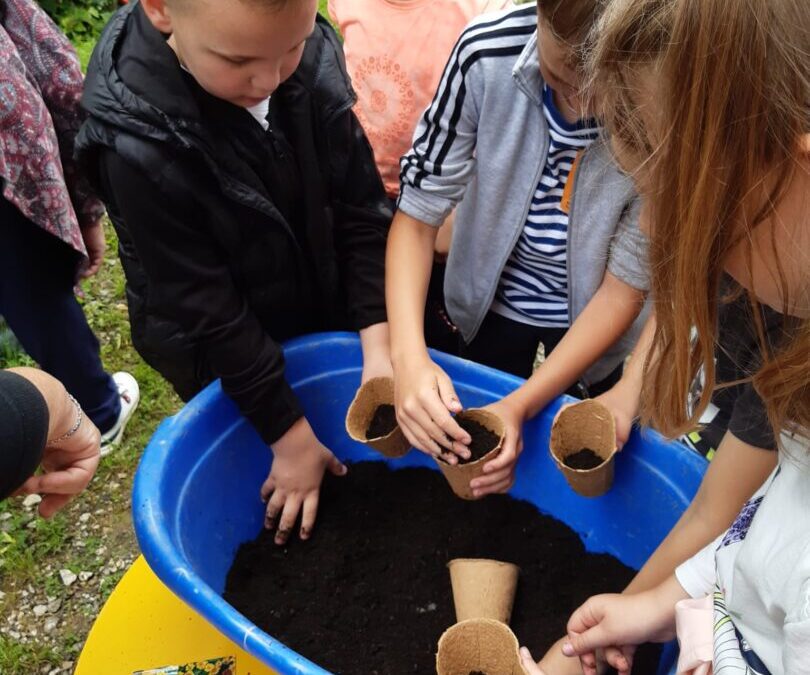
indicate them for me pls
(585, 459)
(383, 422)
(370, 593)
(483, 440)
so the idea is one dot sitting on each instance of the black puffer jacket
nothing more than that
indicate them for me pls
(216, 275)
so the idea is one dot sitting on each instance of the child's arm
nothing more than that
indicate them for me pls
(604, 320)
(190, 288)
(734, 474)
(435, 173)
(424, 394)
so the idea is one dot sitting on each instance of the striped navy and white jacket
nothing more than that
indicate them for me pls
(481, 146)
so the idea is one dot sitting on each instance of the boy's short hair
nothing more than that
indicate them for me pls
(571, 20)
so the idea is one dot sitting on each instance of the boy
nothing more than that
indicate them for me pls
(247, 205)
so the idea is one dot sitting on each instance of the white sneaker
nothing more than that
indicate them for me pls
(130, 394)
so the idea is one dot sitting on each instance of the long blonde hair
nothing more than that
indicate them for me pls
(731, 96)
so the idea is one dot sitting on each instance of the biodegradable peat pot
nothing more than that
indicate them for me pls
(374, 393)
(460, 475)
(483, 589)
(586, 425)
(482, 645)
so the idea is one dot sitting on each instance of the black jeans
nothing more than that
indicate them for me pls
(511, 346)
(37, 301)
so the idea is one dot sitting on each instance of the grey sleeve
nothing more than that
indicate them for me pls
(436, 170)
(629, 251)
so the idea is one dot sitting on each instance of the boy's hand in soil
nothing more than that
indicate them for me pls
(622, 622)
(499, 473)
(294, 483)
(528, 663)
(424, 398)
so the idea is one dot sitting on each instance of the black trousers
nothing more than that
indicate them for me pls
(511, 346)
(37, 301)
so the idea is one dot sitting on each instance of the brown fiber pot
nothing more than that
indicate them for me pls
(460, 475)
(372, 394)
(484, 645)
(483, 589)
(588, 424)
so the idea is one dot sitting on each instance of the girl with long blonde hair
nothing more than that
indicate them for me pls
(708, 104)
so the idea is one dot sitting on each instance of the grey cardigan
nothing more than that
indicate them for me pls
(481, 146)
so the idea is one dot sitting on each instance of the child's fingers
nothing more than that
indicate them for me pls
(489, 481)
(50, 504)
(274, 508)
(288, 517)
(585, 644)
(309, 514)
(441, 426)
(506, 457)
(268, 487)
(497, 488)
(421, 441)
(419, 415)
(616, 659)
(336, 467)
(448, 394)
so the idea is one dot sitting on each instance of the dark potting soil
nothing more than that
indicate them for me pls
(584, 459)
(383, 422)
(370, 593)
(483, 440)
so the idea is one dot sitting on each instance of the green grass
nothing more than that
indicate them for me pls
(25, 553)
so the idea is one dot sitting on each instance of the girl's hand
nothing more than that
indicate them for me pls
(424, 398)
(96, 245)
(620, 622)
(528, 663)
(499, 473)
(294, 483)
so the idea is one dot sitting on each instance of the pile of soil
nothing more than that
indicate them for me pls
(383, 422)
(370, 593)
(482, 439)
(584, 459)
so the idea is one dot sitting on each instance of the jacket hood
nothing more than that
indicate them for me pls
(135, 84)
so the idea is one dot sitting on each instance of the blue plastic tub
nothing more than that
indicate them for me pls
(196, 495)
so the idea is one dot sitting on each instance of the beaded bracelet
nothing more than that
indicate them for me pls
(76, 424)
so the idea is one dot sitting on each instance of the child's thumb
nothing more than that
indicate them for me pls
(337, 467)
(448, 395)
(584, 643)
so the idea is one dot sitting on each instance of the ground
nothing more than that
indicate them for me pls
(44, 620)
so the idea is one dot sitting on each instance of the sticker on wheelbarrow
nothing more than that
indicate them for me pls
(223, 666)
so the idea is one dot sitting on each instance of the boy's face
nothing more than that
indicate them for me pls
(237, 51)
(558, 70)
